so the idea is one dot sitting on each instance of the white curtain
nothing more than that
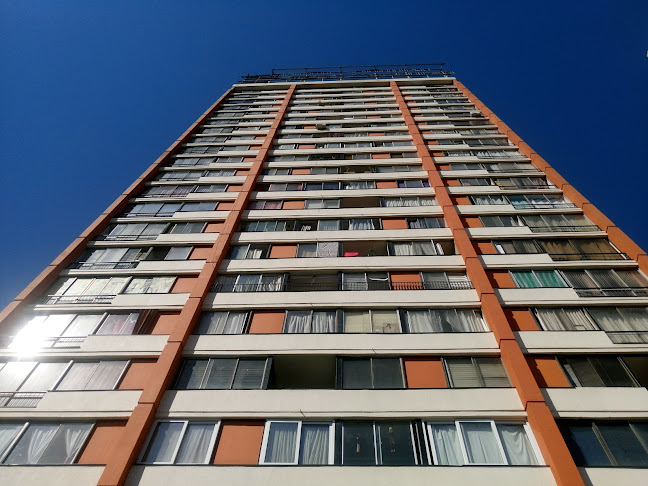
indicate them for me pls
(164, 442)
(43, 377)
(75, 436)
(516, 445)
(427, 248)
(36, 441)
(420, 321)
(83, 325)
(446, 445)
(282, 440)
(298, 322)
(161, 285)
(361, 224)
(403, 249)
(212, 323)
(195, 444)
(328, 225)
(323, 322)
(314, 448)
(106, 375)
(481, 444)
(77, 376)
(235, 323)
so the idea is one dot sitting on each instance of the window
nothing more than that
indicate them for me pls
(93, 375)
(124, 258)
(476, 373)
(564, 319)
(253, 282)
(389, 443)
(42, 443)
(541, 223)
(371, 373)
(150, 285)
(622, 324)
(224, 374)
(580, 249)
(222, 322)
(310, 321)
(598, 371)
(533, 279)
(186, 228)
(412, 248)
(607, 283)
(443, 320)
(499, 221)
(466, 442)
(180, 442)
(322, 204)
(249, 252)
(86, 290)
(607, 443)
(413, 184)
(133, 231)
(323, 249)
(403, 202)
(488, 200)
(371, 321)
(505, 247)
(297, 442)
(365, 281)
(264, 204)
(422, 223)
(539, 201)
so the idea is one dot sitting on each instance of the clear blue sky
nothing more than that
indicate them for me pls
(91, 93)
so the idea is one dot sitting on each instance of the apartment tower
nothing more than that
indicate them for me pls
(352, 275)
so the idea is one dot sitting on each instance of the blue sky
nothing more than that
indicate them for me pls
(93, 92)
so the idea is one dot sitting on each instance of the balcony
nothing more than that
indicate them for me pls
(563, 228)
(78, 299)
(289, 285)
(612, 292)
(568, 257)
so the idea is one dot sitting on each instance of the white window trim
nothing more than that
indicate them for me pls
(174, 455)
(266, 433)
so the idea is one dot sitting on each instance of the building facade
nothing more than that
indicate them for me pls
(351, 276)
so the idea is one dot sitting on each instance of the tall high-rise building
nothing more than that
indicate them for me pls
(335, 276)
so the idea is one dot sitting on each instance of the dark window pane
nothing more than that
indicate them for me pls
(358, 444)
(192, 374)
(249, 374)
(623, 444)
(220, 374)
(612, 371)
(585, 372)
(356, 374)
(387, 373)
(585, 446)
(396, 448)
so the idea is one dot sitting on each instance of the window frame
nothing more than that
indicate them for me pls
(174, 455)
(378, 459)
(266, 433)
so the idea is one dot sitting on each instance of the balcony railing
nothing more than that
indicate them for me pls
(530, 187)
(42, 342)
(79, 299)
(566, 257)
(104, 265)
(20, 400)
(628, 337)
(334, 286)
(612, 292)
(126, 237)
(563, 227)
(543, 205)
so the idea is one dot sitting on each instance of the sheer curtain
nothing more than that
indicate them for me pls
(195, 444)
(235, 323)
(212, 323)
(385, 321)
(323, 321)
(314, 447)
(516, 445)
(403, 249)
(75, 436)
(282, 441)
(481, 444)
(328, 249)
(298, 322)
(32, 444)
(77, 376)
(361, 224)
(106, 375)
(163, 443)
(424, 248)
(446, 445)
(420, 321)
